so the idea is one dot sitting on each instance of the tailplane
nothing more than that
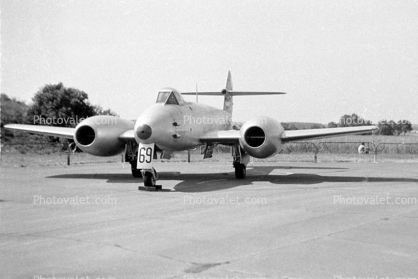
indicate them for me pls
(228, 93)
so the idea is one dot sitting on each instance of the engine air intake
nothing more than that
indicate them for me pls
(85, 135)
(255, 136)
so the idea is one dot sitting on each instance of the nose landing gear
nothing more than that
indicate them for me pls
(150, 177)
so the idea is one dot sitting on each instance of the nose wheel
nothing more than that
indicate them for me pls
(150, 177)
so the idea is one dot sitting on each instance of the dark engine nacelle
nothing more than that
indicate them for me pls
(99, 135)
(261, 137)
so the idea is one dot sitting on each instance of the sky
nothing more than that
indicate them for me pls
(331, 57)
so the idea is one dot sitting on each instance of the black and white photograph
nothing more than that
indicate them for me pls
(189, 139)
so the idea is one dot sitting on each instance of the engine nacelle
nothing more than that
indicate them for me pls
(261, 137)
(99, 135)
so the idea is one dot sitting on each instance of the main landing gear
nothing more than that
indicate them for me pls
(240, 171)
(135, 172)
(130, 156)
(240, 161)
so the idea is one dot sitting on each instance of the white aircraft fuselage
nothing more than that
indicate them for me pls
(179, 127)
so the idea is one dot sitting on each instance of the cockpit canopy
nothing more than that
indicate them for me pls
(170, 96)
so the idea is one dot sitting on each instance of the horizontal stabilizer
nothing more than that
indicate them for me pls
(233, 93)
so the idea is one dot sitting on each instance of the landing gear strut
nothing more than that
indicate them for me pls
(135, 172)
(130, 156)
(241, 159)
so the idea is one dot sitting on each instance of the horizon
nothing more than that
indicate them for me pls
(359, 120)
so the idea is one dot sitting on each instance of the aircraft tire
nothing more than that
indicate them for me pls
(240, 171)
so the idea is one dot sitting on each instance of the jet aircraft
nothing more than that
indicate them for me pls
(173, 124)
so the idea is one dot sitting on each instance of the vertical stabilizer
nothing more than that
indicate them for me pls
(229, 82)
(228, 104)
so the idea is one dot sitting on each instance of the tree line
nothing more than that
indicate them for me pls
(52, 105)
(387, 128)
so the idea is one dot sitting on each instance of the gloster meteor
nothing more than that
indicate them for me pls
(172, 124)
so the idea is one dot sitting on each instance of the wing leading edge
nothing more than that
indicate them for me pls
(221, 137)
(62, 132)
(233, 136)
(297, 135)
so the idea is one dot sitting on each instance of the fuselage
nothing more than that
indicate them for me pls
(176, 127)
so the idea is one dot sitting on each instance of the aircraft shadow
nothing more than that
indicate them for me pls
(110, 177)
(197, 183)
(206, 182)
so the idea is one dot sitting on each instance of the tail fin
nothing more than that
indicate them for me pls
(228, 85)
(228, 104)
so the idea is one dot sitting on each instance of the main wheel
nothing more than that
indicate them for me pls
(135, 172)
(240, 171)
(149, 179)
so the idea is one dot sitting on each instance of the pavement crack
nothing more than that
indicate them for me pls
(199, 267)
(196, 267)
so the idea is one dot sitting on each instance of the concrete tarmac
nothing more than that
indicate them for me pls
(285, 220)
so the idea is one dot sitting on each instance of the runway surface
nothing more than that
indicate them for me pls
(286, 220)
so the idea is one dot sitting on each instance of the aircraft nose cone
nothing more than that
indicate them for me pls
(143, 131)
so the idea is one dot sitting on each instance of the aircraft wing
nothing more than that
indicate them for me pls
(221, 136)
(63, 132)
(297, 135)
(127, 136)
(233, 136)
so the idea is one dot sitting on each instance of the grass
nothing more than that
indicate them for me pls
(388, 145)
(49, 157)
